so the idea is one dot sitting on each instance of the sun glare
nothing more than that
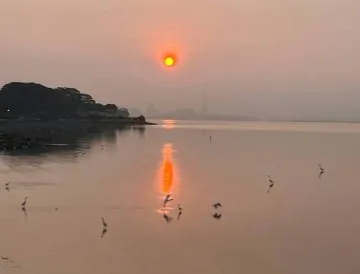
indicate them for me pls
(169, 61)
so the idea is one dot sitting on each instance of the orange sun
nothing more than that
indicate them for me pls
(169, 60)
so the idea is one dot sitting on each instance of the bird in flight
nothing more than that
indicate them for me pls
(7, 186)
(24, 203)
(322, 170)
(103, 222)
(179, 211)
(272, 184)
(167, 199)
(216, 205)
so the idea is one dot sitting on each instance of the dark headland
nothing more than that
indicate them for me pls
(33, 115)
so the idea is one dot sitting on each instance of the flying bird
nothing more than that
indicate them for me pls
(24, 203)
(272, 184)
(167, 199)
(322, 170)
(103, 222)
(180, 211)
(270, 180)
(7, 186)
(217, 205)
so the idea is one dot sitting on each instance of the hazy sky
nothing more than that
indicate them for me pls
(273, 57)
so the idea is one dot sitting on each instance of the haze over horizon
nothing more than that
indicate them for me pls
(281, 58)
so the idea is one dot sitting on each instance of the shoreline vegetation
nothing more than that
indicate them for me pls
(34, 116)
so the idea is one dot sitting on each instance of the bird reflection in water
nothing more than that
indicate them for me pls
(25, 212)
(179, 214)
(103, 232)
(167, 218)
(217, 216)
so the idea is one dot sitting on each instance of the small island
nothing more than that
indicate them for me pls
(32, 114)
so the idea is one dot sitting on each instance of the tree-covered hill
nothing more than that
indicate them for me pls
(37, 101)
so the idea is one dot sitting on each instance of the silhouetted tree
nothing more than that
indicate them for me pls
(35, 100)
(110, 107)
(123, 112)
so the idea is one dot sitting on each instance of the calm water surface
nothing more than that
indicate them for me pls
(304, 225)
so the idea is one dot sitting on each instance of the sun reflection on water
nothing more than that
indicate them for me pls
(168, 178)
(168, 124)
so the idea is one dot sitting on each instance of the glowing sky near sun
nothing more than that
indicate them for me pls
(115, 50)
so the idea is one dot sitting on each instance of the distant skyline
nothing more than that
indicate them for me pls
(282, 58)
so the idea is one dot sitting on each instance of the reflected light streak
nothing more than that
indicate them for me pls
(168, 178)
(168, 124)
(168, 170)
